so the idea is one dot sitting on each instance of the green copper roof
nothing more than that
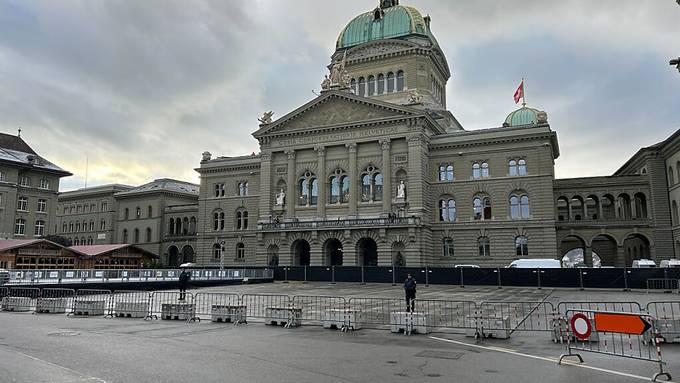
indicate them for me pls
(396, 21)
(525, 116)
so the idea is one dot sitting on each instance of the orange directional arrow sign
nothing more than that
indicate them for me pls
(621, 323)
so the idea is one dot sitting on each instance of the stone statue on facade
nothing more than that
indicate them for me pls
(414, 97)
(280, 198)
(266, 118)
(326, 83)
(339, 75)
(401, 190)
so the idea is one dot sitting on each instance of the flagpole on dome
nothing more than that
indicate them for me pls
(524, 92)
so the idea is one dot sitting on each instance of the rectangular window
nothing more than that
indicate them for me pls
(25, 181)
(22, 204)
(44, 184)
(42, 206)
(105, 206)
(102, 224)
(20, 227)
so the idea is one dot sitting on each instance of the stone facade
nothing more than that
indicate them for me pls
(29, 185)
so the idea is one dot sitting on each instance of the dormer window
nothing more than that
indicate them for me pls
(377, 14)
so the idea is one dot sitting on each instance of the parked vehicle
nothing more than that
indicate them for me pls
(643, 264)
(466, 266)
(537, 263)
(670, 263)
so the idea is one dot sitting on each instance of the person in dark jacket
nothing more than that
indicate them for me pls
(184, 278)
(410, 290)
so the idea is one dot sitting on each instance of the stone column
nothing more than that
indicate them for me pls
(588, 256)
(417, 149)
(353, 180)
(387, 176)
(290, 193)
(321, 177)
(600, 210)
(633, 209)
(265, 203)
(621, 257)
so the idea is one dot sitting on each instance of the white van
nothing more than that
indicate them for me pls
(670, 263)
(537, 263)
(643, 264)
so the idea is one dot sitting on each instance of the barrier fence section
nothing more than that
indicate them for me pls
(172, 305)
(55, 301)
(21, 299)
(213, 306)
(258, 305)
(517, 316)
(377, 312)
(617, 344)
(628, 307)
(664, 284)
(448, 315)
(130, 304)
(91, 302)
(314, 309)
(667, 316)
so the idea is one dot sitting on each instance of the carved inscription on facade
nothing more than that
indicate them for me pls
(339, 136)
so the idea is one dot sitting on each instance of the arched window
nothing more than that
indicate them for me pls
(3, 177)
(242, 220)
(240, 251)
(476, 171)
(90, 241)
(308, 188)
(64, 227)
(640, 205)
(576, 208)
(105, 206)
(485, 169)
(519, 207)
(136, 235)
(77, 226)
(138, 213)
(125, 236)
(381, 83)
(185, 226)
(447, 210)
(442, 172)
(70, 227)
(446, 172)
(448, 246)
(22, 204)
(217, 251)
(449, 172)
(92, 225)
(484, 246)
(522, 167)
(171, 226)
(674, 211)
(362, 86)
(353, 86)
(400, 80)
(371, 185)
(242, 189)
(76, 241)
(218, 220)
(148, 234)
(481, 207)
(521, 246)
(339, 187)
(371, 85)
(671, 176)
(390, 82)
(512, 168)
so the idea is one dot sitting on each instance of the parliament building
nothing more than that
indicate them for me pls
(376, 171)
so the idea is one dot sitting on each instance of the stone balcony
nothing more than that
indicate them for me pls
(354, 223)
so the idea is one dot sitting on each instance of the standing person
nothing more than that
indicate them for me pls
(184, 278)
(410, 290)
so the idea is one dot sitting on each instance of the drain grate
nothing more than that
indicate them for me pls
(439, 354)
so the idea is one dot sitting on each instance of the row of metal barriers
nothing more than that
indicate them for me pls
(442, 315)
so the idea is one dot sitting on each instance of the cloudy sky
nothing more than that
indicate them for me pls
(141, 88)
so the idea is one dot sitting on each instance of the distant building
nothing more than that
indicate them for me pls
(29, 185)
(121, 256)
(35, 254)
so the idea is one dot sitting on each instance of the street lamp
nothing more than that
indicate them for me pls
(221, 255)
(675, 62)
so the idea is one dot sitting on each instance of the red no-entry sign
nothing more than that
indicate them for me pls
(580, 325)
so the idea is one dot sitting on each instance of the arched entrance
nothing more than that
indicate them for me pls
(300, 250)
(333, 252)
(367, 252)
(273, 255)
(398, 259)
(572, 250)
(636, 246)
(173, 256)
(605, 247)
(187, 254)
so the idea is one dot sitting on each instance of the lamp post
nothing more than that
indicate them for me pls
(222, 256)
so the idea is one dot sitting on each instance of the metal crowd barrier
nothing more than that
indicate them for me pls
(449, 315)
(629, 307)
(130, 304)
(258, 305)
(516, 316)
(616, 344)
(215, 306)
(21, 299)
(55, 301)
(377, 312)
(315, 309)
(172, 305)
(667, 316)
(91, 302)
(664, 284)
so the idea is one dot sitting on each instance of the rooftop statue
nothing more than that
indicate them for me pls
(266, 118)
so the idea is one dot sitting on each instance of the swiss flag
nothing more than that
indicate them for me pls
(519, 93)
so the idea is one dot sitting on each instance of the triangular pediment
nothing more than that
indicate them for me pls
(336, 108)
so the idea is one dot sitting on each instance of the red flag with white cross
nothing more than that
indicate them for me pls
(519, 93)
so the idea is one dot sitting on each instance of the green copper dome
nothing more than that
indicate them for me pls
(526, 116)
(382, 23)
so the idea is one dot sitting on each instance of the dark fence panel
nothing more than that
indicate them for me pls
(609, 278)
(560, 278)
(319, 273)
(296, 273)
(479, 277)
(637, 278)
(378, 274)
(444, 276)
(519, 277)
(347, 274)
